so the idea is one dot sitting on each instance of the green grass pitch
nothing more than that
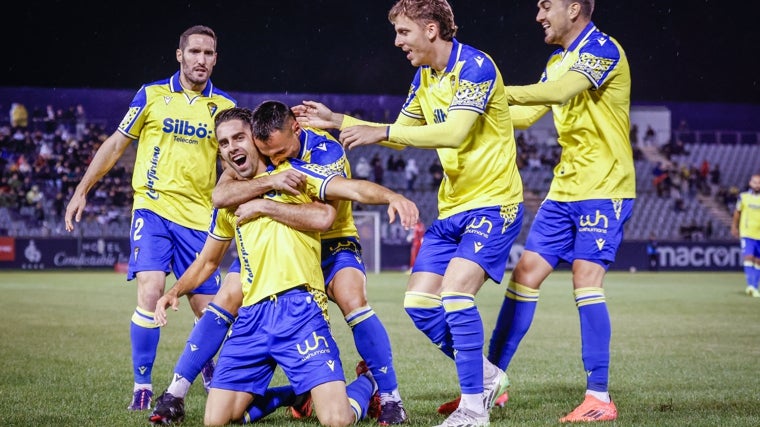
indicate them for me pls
(685, 352)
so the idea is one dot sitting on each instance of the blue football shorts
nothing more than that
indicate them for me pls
(235, 266)
(483, 236)
(289, 330)
(340, 253)
(750, 247)
(590, 230)
(157, 244)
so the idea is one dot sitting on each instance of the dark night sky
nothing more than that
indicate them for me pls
(678, 50)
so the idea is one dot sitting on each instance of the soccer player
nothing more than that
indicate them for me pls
(243, 195)
(279, 136)
(457, 105)
(174, 174)
(746, 226)
(587, 83)
(283, 318)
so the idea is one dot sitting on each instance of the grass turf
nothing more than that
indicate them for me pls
(685, 351)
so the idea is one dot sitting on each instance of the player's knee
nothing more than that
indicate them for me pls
(337, 418)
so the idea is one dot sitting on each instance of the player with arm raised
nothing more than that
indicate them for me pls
(586, 84)
(456, 105)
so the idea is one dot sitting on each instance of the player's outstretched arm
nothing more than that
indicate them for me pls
(201, 269)
(315, 216)
(231, 190)
(556, 92)
(317, 115)
(367, 192)
(106, 156)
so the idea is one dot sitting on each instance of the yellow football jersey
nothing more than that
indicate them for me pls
(749, 221)
(273, 256)
(593, 126)
(175, 167)
(482, 171)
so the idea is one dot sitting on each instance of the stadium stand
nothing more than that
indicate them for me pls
(51, 152)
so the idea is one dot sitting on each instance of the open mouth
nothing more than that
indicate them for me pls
(239, 159)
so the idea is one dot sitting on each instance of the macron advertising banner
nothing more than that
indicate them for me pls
(106, 253)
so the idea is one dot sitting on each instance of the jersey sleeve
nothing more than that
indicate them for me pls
(221, 227)
(412, 107)
(317, 177)
(596, 59)
(476, 83)
(133, 121)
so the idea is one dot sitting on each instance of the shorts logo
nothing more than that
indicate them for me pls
(478, 247)
(600, 243)
(331, 365)
(482, 224)
(309, 347)
(598, 224)
(617, 206)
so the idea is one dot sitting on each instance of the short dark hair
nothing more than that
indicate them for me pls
(587, 7)
(235, 113)
(196, 29)
(438, 11)
(270, 116)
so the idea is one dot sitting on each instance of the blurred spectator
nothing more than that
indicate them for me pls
(377, 169)
(362, 169)
(650, 137)
(634, 135)
(415, 238)
(715, 175)
(410, 173)
(653, 253)
(80, 116)
(436, 173)
(18, 115)
(390, 164)
(34, 195)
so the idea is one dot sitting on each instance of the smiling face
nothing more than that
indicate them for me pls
(415, 39)
(237, 149)
(557, 19)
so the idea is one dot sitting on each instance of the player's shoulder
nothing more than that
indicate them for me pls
(475, 59)
(218, 93)
(322, 148)
(601, 45)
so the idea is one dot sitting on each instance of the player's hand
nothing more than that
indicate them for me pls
(290, 181)
(356, 136)
(169, 299)
(317, 115)
(735, 232)
(74, 210)
(406, 210)
(250, 210)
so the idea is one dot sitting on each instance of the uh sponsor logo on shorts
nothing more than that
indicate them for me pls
(596, 224)
(480, 227)
(314, 346)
